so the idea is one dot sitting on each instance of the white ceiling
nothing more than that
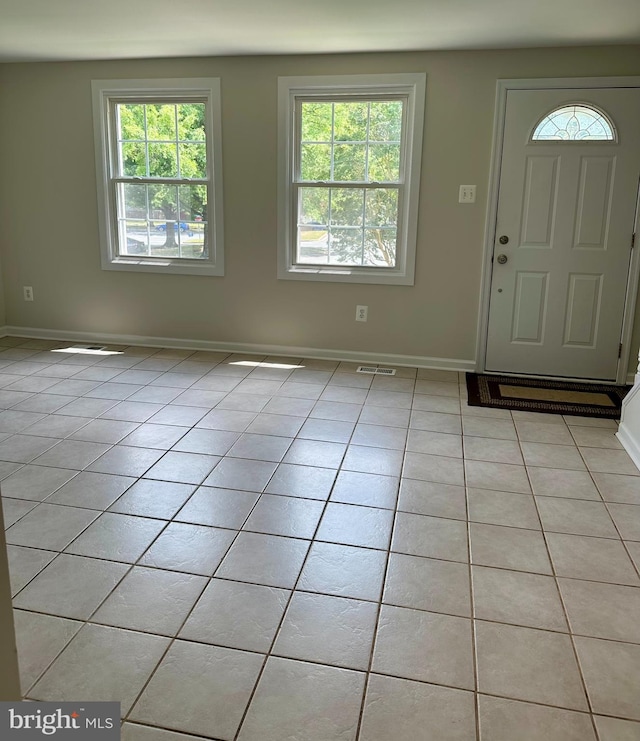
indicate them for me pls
(48, 30)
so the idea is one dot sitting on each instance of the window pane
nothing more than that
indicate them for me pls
(165, 238)
(131, 121)
(133, 159)
(161, 122)
(163, 161)
(163, 203)
(313, 245)
(193, 160)
(176, 216)
(312, 235)
(349, 162)
(384, 162)
(135, 239)
(332, 231)
(347, 206)
(381, 208)
(193, 227)
(386, 121)
(191, 122)
(573, 123)
(346, 246)
(380, 247)
(193, 202)
(191, 238)
(132, 201)
(316, 162)
(350, 122)
(314, 207)
(316, 122)
(363, 141)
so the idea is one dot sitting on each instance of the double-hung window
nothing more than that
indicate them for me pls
(158, 157)
(350, 150)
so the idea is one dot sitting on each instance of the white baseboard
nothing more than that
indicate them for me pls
(629, 397)
(629, 443)
(412, 361)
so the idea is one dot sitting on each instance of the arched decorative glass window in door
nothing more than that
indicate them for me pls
(575, 122)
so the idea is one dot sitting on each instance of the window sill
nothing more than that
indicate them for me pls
(347, 275)
(139, 265)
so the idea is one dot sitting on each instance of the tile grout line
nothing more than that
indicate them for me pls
(566, 617)
(376, 624)
(326, 594)
(293, 496)
(291, 595)
(474, 641)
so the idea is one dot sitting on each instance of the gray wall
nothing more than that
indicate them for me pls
(49, 234)
(3, 315)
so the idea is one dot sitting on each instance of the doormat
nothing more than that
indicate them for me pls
(540, 395)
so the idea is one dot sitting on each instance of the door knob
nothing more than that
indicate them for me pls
(504, 239)
(502, 259)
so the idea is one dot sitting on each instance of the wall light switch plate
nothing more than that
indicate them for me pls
(467, 194)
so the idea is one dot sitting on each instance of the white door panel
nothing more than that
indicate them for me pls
(567, 209)
(538, 208)
(583, 310)
(594, 202)
(530, 307)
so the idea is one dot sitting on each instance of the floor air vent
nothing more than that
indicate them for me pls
(372, 370)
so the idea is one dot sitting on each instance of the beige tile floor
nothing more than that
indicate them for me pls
(234, 549)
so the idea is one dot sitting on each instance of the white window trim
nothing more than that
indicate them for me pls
(411, 84)
(205, 88)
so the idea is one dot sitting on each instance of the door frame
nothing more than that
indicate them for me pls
(502, 87)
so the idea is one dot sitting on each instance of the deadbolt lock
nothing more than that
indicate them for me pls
(504, 239)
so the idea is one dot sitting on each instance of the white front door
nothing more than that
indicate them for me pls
(563, 239)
